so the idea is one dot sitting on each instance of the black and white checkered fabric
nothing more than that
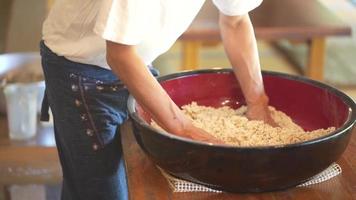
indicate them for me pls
(179, 185)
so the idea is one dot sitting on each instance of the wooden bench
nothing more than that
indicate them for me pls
(307, 21)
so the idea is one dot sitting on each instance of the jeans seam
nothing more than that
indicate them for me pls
(86, 108)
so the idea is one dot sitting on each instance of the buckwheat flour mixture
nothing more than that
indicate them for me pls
(234, 128)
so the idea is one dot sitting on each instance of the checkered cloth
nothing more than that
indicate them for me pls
(179, 185)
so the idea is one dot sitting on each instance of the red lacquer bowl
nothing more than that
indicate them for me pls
(311, 104)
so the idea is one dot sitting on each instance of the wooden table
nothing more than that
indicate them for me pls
(146, 183)
(274, 20)
(36, 161)
(32, 161)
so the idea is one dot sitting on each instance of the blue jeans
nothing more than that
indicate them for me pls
(88, 105)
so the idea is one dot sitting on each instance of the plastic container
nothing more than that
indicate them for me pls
(22, 106)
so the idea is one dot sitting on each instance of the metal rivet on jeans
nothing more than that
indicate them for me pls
(74, 88)
(95, 147)
(90, 132)
(83, 117)
(86, 88)
(99, 87)
(72, 75)
(78, 103)
(114, 88)
(99, 82)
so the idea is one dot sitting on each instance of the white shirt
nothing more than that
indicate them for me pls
(77, 29)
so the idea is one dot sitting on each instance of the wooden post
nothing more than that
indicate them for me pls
(49, 5)
(190, 55)
(315, 67)
(4, 192)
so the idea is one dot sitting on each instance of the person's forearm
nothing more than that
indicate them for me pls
(240, 46)
(144, 87)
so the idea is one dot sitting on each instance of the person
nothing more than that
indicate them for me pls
(94, 53)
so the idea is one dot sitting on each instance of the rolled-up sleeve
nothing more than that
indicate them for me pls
(236, 7)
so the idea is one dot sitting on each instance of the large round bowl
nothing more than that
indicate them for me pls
(310, 104)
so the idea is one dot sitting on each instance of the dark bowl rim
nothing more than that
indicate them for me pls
(339, 131)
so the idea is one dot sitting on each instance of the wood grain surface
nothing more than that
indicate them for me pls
(32, 161)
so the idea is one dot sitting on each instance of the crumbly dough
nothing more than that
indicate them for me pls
(234, 128)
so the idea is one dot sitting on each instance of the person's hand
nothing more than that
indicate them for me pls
(195, 133)
(258, 110)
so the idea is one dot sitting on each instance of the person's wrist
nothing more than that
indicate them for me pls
(181, 126)
(261, 100)
(258, 109)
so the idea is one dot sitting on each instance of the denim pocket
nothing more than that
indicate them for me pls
(101, 106)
